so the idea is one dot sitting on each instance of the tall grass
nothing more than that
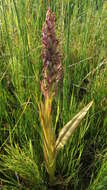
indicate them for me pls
(81, 30)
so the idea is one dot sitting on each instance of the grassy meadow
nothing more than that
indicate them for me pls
(81, 29)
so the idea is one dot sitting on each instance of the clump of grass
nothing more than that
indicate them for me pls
(101, 180)
(21, 163)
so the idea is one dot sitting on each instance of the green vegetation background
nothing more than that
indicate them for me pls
(81, 27)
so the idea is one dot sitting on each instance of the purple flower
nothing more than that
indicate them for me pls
(52, 68)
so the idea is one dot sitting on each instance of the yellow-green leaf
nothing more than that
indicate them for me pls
(69, 128)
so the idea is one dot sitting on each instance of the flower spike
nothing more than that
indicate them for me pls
(52, 68)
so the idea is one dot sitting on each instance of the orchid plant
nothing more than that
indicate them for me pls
(51, 76)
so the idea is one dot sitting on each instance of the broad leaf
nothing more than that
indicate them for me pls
(69, 128)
